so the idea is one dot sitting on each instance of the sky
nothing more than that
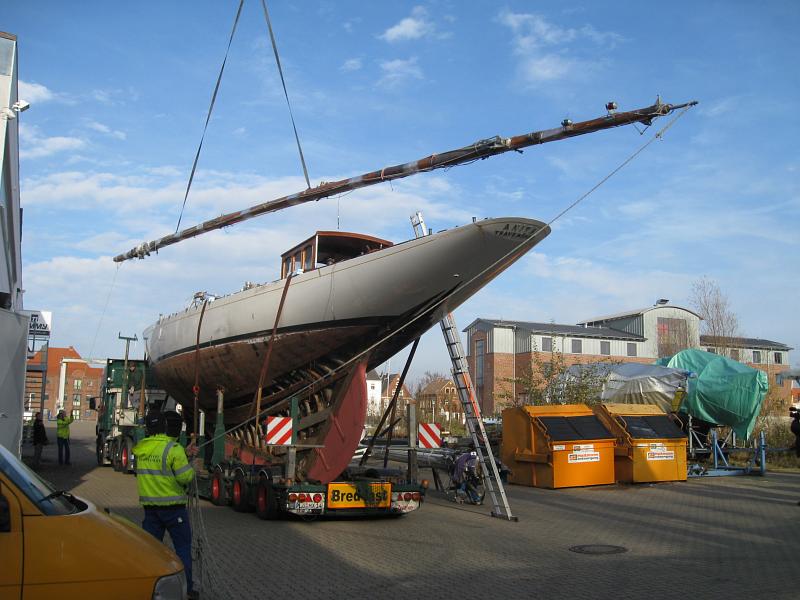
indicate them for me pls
(119, 94)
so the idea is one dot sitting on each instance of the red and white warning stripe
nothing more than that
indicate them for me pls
(430, 436)
(279, 431)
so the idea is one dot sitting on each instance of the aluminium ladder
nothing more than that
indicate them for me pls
(472, 414)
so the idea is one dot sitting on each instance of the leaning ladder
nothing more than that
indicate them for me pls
(472, 413)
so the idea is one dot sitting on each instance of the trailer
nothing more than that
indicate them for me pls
(229, 472)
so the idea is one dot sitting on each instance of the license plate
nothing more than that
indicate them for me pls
(347, 495)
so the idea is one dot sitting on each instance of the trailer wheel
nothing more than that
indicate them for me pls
(239, 493)
(99, 451)
(266, 502)
(219, 495)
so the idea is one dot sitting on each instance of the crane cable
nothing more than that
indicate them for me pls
(208, 116)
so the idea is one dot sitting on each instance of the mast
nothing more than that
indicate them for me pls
(479, 150)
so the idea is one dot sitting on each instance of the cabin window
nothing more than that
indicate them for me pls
(605, 348)
(756, 356)
(308, 258)
(631, 349)
(577, 346)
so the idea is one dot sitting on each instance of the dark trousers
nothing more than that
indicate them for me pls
(176, 522)
(63, 451)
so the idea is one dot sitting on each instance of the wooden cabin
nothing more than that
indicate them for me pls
(328, 247)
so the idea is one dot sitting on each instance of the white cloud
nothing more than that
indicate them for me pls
(351, 64)
(34, 145)
(411, 28)
(398, 71)
(34, 92)
(94, 125)
(548, 52)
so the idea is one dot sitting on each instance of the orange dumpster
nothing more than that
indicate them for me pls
(650, 447)
(557, 446)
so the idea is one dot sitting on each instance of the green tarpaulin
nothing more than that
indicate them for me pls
(725, 392)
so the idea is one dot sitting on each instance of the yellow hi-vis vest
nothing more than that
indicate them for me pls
(62, 427)
(162, 471)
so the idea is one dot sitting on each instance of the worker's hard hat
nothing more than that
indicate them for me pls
(173, 423)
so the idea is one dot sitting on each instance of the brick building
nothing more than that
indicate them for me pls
(70, 383)
(498, 351)
(438, 402)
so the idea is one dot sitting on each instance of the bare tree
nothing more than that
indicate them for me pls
(720, 324)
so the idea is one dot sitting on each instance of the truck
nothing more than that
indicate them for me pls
(229, 473)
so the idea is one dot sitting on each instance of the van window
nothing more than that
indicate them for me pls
(33, 486)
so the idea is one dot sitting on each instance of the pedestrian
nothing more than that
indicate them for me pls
(39, 439)
(163, 474)
(62, 434)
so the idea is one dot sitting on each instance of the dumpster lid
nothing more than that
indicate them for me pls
(586, 427)
(651, 427)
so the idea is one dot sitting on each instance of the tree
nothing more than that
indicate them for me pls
(545, 381)
(720, 324)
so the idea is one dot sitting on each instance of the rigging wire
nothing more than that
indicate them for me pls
(365, 352)
(208, 116)
(105, 308)
(285, 93)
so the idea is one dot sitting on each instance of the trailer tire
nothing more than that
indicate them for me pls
(239, 493)
(99, 451)
(266, 501)
(219, 495)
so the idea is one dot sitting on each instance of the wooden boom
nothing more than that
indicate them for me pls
(477, 151)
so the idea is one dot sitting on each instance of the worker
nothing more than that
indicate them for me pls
(163, 474)
(62, 434)
(39, 439)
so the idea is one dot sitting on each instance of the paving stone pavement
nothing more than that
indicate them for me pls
(729, 537)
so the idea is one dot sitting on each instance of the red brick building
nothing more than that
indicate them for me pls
(70, 383)
(499, 352)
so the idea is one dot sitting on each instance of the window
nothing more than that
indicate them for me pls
(756, 356)
(77, 384)
(711, 350)
(778, 358)
(631, 349)
(308, 263)
(734, 354)
(605, 348)
(76, 399)
(76, 414)
(480, 350)
(547, 344)
(577, 346)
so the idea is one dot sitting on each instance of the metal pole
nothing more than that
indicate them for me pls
(219, 430)
(413, 469)
(291, 458)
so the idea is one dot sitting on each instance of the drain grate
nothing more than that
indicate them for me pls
(598, 549)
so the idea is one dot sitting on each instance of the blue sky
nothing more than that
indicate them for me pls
(119, 94)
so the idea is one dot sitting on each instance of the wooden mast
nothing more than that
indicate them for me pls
(477, 151)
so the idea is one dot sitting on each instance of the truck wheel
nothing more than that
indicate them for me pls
(116, 459)
(266, 502)
(219, 495)
(99, 451)
(125, 456)
(239, 493)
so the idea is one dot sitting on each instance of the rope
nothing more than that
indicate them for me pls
(103, 314)
(208, 116)
(285, 93)
(447, 296)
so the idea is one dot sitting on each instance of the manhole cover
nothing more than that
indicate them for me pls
(598, 549)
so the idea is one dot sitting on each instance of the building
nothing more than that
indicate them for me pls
(70, 383)
(766, 355)
(438, 402)
(13, 321)
(499, 352)
(373, 395)
(389, 384)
